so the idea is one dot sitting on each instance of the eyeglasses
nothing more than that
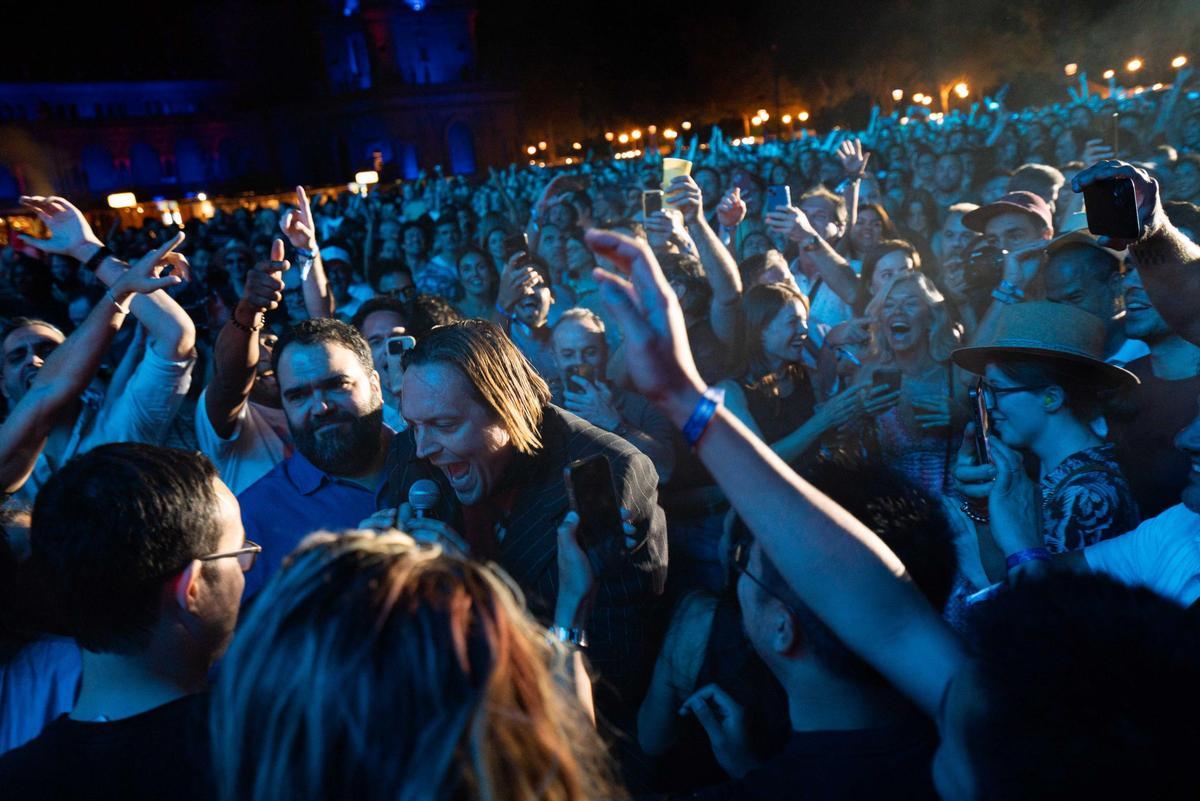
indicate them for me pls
(741, 564)
(990, 393)
(246, 555)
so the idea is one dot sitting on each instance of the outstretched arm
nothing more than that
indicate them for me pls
(297, 225)
(69, 369)
(838, 566)
(1167, 261)
(171, 332)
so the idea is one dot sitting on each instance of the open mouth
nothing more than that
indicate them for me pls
(457, 472)
(900, 327)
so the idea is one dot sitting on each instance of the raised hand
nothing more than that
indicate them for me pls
(1145, 191)
(1014, 507)
(517, 281)
(576, 582)
(145, 274)
(1022, 263)
(732, 209)
(932, 411)
(297, 224)
(264, 284)
(972, 479)
(684, 194)
(790, 222)
(842, 408)
(70, 234)
(854, 160)
(657, 354)
(1094, 151)
(878, 398)
(593, 404)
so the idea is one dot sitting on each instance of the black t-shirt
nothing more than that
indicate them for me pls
(158, 754)
(891, 762)
(1145, 437)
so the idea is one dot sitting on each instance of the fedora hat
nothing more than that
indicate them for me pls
(1048, 331)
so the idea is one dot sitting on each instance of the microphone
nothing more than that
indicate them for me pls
(423, 496)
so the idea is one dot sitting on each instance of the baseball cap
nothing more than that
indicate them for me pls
(1026, 202)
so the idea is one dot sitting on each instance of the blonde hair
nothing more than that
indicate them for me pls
(505, 383)
(944, 333)
(373, 667)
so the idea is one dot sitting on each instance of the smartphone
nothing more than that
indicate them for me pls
(1112, 209)
(983, 424)
(778, 195)
(514, 244)
(652, 201)
(1116, 133)
(887, 376)
(592, 495)
(397, 345)
(578, 373)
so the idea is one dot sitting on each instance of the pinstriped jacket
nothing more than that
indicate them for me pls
(624, 627)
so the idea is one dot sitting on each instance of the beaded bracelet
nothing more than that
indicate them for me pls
(1038, 554)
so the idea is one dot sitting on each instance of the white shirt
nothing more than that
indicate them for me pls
(260, 440)
(825, 308)
(140, 412)
(1163, 553)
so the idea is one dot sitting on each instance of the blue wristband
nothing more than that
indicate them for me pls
(702, 415)
(1039, 554)
(304, 253)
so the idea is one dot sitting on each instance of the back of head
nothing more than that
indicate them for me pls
(1040, 179)
(1090, 689)
(428, 312)
(687, 272)
(908, 521)
(504, 381)
(376, 668)
(109, 528)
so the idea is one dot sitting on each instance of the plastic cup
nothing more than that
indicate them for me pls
(673, 167)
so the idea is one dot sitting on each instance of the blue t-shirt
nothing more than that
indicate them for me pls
(293, 500)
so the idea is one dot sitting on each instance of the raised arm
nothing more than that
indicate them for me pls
(171, 332)
(836, 564)
(834, 270)
(1167, 261)
(854, 161)
(719, 265)
(236, 354)
(70, 368)
(297, 226)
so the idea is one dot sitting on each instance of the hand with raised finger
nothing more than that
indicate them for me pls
(657, 353)
(683, 193)
(297, 224)
(972, 479)
(931, 411)
(1145, 191)
(263, 290)
(732, 209)
(724, 721)
(145, 275)
(70, 233)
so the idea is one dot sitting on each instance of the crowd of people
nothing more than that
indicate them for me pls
(837, 466)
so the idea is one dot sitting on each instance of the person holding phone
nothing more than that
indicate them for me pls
(482, 427)
(1044, 377)
(581, 352)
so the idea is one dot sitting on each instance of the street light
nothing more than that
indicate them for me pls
(122, 200)
(670, 133)
(918, 98)
(651, 129)
(961, 89)
(366, 177)
(577, 145)
(531, 150)
(541, 145)
(1134, 64)
(608, 135)
(1179, 61)
(1110, 74)
(623, 138)
(786, 119)
(897, 95)
(802, 116)
(635, 134)
(1071, 69)
(685, 125)
(763, 115)
(926, 100)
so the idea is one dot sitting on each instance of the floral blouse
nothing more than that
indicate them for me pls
(1086, 499)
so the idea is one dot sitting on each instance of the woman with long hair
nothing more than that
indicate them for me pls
(373, 667)
(477, 282)
(883, 262)
(774, 395)
(874, 225)
(912, 337)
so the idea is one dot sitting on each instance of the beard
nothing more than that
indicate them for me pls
(343, 451)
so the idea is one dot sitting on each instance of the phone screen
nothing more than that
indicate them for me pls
(888, 377)
(592, 495)
(517, 243)
(652, 201)
(983, 424)
(1112, 208)
(778, 195)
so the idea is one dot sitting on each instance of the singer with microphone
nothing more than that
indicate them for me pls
(483, 432)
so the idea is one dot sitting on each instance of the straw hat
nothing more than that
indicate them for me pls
(1049, 331)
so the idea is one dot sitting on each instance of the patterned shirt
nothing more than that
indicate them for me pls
(1086, 499)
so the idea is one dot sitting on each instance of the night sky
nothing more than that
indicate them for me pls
(605, 64)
